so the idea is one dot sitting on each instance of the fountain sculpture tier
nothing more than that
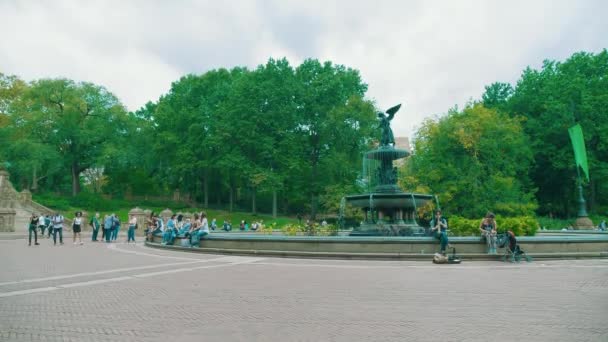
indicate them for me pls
(388, 210)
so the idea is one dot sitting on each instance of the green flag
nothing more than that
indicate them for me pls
(578, 144)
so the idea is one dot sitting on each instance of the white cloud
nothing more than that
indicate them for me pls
(427, 55)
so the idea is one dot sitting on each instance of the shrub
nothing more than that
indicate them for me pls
(520, 225)
(267, 228)
(292, 229)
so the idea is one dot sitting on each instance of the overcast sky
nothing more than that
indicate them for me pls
(428, 55)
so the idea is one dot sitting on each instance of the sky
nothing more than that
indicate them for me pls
(427, 55)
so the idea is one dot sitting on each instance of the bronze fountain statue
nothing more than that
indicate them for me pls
(388, 210)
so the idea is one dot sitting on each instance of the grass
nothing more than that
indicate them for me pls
(555, 223)
(68, 206)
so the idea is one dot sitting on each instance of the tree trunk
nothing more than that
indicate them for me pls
(313, 206)
(75, 179)
(206, 191)
(313, 194)
(253, 206)
(34, 180)
(231, 198)
(274, 203)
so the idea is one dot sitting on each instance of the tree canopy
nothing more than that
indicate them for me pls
(290, 138)
(476, 160)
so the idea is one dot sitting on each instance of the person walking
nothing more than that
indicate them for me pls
(77, 228)
(95, 224)
(48, 224)
(33, 228)
(131, 231)
(40, 225)
(57, 228)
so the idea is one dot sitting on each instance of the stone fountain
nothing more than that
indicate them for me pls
(388, 210)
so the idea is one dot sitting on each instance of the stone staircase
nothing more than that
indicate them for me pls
(26, 209)
(22, 205)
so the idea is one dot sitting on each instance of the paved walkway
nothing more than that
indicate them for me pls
(119, 292)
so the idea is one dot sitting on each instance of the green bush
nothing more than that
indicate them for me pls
(520, 225)
(93, 202)
(52, 201)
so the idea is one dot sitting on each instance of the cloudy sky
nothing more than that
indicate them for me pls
(429, 55)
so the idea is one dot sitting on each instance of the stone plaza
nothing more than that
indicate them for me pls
(119, 292)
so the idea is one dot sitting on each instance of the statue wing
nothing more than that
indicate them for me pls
(391, 111)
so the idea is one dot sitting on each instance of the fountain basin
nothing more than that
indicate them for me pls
(376, 247)
(406, 200)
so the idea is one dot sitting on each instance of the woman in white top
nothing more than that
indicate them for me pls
(203, 230)
(131, 231)
(77, 227)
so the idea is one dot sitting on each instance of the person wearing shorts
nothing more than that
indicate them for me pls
(77, 228)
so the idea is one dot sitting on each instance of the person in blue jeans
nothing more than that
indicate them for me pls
(488, 229)
(115, 227)
(132, 226)
(439, 226)
(201, 232)
(57, 228)
(170, 232)
(108, 222)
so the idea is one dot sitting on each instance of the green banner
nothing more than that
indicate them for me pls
(578, 144)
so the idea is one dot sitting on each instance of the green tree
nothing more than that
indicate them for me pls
(475, 160)
(323, 89)
(551, 100)
(497, 95)
(76, 119)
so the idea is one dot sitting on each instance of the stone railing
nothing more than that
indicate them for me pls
(40, 209)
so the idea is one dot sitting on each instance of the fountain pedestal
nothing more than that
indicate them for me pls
(388, 210)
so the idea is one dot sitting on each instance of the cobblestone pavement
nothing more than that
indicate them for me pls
(119, 292)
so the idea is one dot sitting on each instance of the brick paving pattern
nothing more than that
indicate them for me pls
(119, 292)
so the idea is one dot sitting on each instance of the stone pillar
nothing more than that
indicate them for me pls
(85, 221)
(166, 215)
(8, 195)
(176, 196)
(7, 219)
(141, 217)
(26, 197)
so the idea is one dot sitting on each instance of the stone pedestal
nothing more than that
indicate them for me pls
(85, 222)
(7, 219)
(9, 197)
(166, 214)
(583, 223)
(141, 217)
(26, 197)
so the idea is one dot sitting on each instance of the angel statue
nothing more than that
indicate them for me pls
(387, 139)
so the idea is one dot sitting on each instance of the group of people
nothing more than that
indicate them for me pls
(176, 226)
(53, 224)
(110, 227)
(50, 224)
(244, 225)
(487, 227)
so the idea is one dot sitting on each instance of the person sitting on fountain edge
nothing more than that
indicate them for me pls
(439, 226)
